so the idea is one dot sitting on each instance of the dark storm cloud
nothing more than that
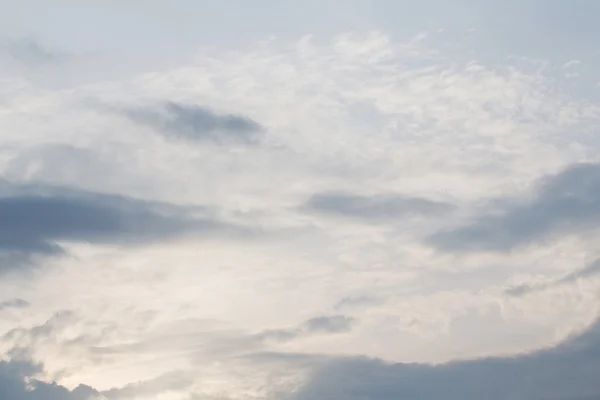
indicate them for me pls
(195, 123)
(372, 208)
(32, 222)
(566, 372)
(567, 202)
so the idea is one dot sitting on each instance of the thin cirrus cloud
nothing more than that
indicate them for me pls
(564, 203)
(195, 123)
(372, 208)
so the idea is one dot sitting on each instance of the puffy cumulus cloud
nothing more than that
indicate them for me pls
(366, 150)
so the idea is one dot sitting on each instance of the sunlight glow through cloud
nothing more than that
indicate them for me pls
(344, 210)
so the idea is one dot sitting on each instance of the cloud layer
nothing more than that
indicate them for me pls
(364, 216)
(566, 372)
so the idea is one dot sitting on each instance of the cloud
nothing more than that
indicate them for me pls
(194, 123)
(314, 326)
(14, 385)
(358, 302)
(332, 324)
(172, 381)
(564, 203)
(23, 338)
(366, 114)
(565, 372)
(588, 272)
(373, 208)
(13, 303)
(33, 221)
(31, 52)
(18, 382)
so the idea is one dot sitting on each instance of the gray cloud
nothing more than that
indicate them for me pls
(372, 208)
(329, 324)
(566, 372)
(34, 219)
(567, 202)
(13, 303)
(319, 325)
(195, 123)
(358, 302)
(587, 272)
(13, 385)
(31, 52)
(16, 383)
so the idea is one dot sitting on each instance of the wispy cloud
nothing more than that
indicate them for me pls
(32, 53)
(588, 272)
(385, 207)
(33, 220)
(567, 202)
(195, 123)
(13, 303)
(314, 326)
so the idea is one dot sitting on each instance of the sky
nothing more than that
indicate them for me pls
(285, 200)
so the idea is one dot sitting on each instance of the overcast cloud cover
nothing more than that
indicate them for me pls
(284, 200)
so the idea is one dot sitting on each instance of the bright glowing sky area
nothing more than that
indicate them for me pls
(299, 200)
